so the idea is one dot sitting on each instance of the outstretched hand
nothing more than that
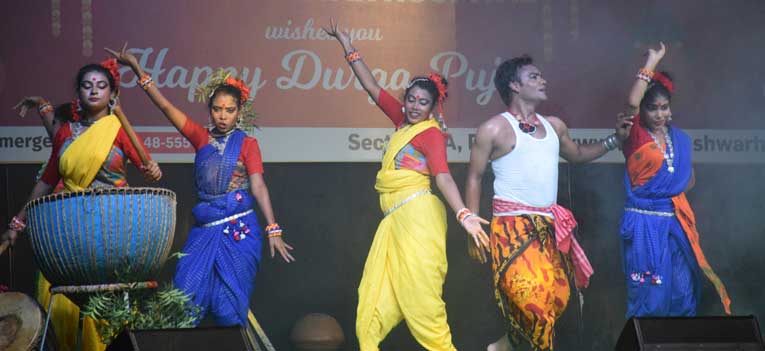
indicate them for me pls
(28, 102)
(341, 35)
(477, 247)
(123, 56)
(277, 244)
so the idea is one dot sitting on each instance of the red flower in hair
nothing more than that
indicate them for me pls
(439, 82)
(664, 81)
(243, 88)
(113, 67)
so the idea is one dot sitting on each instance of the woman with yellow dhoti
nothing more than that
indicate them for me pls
(88, 152)
(406, 267)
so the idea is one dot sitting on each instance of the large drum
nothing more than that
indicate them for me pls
(105, 235)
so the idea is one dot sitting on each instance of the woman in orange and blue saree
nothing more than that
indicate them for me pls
(662, 257)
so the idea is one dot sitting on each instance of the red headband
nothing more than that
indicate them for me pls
(664, 81)
(243, 88)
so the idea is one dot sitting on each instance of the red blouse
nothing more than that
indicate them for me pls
(430, 143)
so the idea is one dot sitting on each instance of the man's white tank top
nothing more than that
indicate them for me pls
(529, 173)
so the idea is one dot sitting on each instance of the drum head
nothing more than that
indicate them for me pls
(21, 322)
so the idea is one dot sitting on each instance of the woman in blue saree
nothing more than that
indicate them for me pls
(662, 257)
(223, 250)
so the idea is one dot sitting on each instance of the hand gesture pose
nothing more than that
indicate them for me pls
(123, 56)
(341, 35)
(654, 56)
(479, 246)
(277, 244)
(29, 102)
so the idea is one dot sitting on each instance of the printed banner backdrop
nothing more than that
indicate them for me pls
(310, 107)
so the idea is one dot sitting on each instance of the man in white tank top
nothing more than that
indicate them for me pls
(532, 248)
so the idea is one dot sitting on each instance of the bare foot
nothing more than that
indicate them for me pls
(503, 344)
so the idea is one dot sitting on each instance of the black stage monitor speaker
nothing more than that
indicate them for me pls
(217, 339)
(691, 333)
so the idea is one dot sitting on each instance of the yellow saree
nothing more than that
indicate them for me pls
(406, 266)
(78, 166)
(83, 158)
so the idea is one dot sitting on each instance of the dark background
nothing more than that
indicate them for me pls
(589, 50)
(330, 213)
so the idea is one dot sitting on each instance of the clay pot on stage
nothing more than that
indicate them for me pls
(317, 331)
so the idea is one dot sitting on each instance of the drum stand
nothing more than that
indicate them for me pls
(66, 289)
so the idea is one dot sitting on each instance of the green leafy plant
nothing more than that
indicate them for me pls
(163, 308)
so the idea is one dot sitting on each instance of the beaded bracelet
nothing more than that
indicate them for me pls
(353, 56)
(644, 74)
(45, 108)
(463, 214)
(17, 224)
(145, 82)
(647, 72)
(273, 230)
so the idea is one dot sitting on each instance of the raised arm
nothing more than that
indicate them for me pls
(358, 66)
(173, 114)
(43, 107)
(641, 85)
(582, 153)
(570, 150)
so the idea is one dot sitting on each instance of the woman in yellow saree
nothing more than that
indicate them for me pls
(406, 266)
(89, 151)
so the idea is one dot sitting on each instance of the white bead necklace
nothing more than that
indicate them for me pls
(220, 145)
(77, 129)
(668, 152)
